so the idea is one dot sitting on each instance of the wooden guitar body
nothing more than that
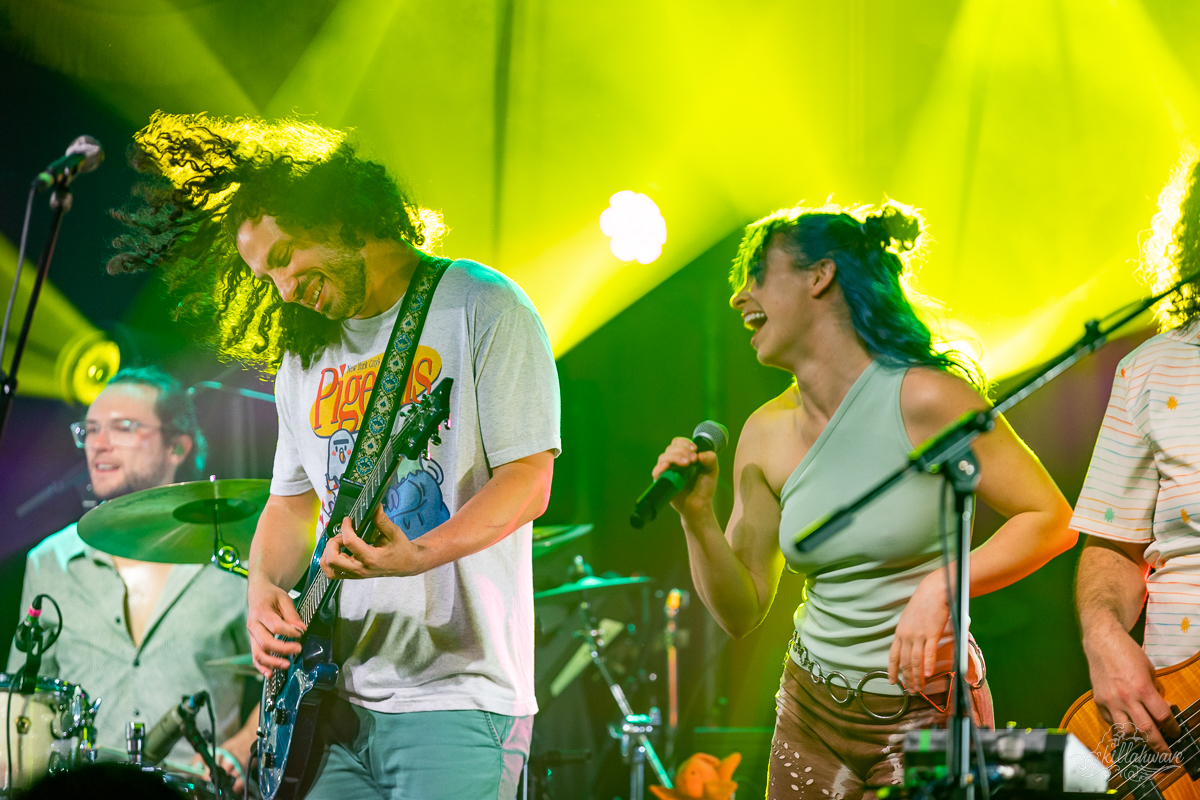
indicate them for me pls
(1137, 773)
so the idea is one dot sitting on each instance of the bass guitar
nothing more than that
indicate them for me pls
(1138, 773)
(291, 697)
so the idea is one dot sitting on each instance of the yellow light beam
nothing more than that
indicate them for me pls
(327, 77)
(137, 57)
(1083, 115)
(66, 356)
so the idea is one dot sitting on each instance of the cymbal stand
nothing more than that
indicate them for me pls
(676, 599)
(225, 556)
(636, 747)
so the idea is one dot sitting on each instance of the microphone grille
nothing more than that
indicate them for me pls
(91, 150)
(714, 432)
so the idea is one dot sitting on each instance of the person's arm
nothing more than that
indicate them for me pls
(279, 554)
(517, 492)
(1110, 589)
(1013, 482)
(736, 572)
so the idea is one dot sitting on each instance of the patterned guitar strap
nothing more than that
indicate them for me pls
(386, 396)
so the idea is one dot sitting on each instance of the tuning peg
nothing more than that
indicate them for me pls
(447, 420)
(436, 439)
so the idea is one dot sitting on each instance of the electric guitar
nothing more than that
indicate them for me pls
(1138, 773)
(291, 697)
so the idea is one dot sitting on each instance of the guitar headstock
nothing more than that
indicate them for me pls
(423, 421)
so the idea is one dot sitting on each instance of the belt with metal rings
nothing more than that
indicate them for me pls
(800, 654)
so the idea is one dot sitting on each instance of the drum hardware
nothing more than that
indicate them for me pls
(183, 523)
(676, 599)
(635, 729)
(589, 583)
(48, 730)
(549, 538)
(135, 741)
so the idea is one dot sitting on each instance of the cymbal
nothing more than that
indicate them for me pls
(590, 583)
(241, 664)
(548, 538)
(174, 524)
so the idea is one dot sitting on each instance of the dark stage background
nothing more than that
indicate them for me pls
(677, 356)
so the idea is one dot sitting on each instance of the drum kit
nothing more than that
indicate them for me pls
(50, 723)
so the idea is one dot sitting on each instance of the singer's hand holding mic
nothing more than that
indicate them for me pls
(686, 474)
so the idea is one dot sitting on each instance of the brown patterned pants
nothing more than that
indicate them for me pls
(823, 751)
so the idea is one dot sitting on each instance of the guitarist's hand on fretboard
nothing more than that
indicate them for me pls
(272, 615)
(1123, 687)
(389, 553)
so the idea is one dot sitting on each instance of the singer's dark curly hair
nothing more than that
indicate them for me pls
(869, 248)
(203, 176)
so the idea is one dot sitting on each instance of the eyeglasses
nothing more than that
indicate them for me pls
(121, 432)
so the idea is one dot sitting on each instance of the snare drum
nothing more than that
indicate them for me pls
(49, 730)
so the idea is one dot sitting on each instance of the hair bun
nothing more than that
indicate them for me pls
(891, 225)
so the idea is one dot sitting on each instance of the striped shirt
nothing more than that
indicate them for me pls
(200, 615)
(1143, 485)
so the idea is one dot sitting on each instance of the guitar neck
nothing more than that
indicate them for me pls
(320, 588)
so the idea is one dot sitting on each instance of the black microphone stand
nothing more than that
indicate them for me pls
(60, 202)
(949, 453)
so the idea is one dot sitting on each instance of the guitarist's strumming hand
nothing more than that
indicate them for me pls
(1109, 591)
(392, 554)
(271, 612)
(1123, 685)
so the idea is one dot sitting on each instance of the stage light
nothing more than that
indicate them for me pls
(66, 357)
(84, 366)
(636, 227)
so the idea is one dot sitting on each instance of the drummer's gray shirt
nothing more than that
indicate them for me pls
(200, 616)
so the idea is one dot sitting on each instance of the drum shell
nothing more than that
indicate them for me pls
(48, 730)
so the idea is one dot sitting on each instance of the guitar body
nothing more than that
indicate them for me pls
(1180, 687)
(287, 723)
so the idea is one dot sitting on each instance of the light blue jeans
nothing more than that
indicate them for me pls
(421, 755)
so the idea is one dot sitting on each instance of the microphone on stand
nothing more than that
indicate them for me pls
(29, 640)
(83, 155)
(708, 436)
(172, 727)
(30, 626)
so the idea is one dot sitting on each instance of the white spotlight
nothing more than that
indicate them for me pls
(635, 225)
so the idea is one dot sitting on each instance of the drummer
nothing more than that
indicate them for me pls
(136, 633)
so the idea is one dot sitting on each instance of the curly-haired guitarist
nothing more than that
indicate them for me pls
(294, 254)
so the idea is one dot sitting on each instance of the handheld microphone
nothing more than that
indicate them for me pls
(83, 155)
(172, 727)
(708, 436)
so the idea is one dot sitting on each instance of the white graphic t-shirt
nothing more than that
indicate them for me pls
(461, 635)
